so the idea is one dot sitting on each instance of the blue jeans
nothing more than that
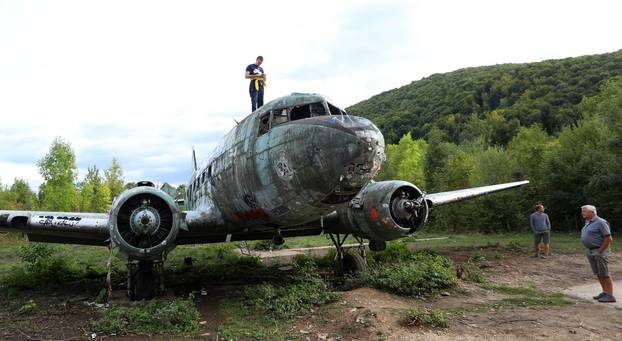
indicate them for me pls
(256, 97)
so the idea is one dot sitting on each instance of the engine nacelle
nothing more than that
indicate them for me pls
(144, 222)
(383, 211)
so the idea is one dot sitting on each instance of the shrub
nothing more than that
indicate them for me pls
(431, 318)
(43, 268)
(29, 308)
(395, 252)
(33, 253)
(469, 271)
(424, 273)
(307, 290)
(179, 316)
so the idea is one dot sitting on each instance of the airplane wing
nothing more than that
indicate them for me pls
(436, 199)
(58, 227)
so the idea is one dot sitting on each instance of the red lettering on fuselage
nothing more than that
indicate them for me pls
(256, 214)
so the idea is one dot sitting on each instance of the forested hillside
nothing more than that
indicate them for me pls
(557, 123)
(511, 95)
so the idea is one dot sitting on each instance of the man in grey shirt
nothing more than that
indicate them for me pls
(596, 237)
(541, 228)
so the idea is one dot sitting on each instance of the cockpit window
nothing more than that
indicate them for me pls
(264, 123)
(308, 110)
(279, 116)
(335, 111)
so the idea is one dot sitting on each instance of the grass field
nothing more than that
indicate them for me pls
(82, 256)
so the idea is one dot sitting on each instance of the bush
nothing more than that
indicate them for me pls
(179, 316)
(469, 271)
(283, 302)
(395, 252)
(432, 318)
(33, 253)
(42, 269)
(424, 273)
(29, 308)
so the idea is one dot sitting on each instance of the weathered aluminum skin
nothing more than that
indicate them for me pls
(87, 228)
(443, 198)
(371, 216)
(260, 182)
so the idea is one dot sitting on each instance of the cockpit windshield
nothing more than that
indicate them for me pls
(279, 116)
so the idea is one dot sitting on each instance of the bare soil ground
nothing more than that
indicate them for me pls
(369, 314)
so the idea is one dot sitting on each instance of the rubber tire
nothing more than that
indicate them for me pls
(353, 262)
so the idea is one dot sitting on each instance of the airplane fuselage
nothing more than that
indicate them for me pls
(292, 161)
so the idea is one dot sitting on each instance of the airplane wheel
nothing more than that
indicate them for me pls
(377, 245)
(353, 263)
(145, 282)
(146, 286)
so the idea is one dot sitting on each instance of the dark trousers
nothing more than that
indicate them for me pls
(256, 97)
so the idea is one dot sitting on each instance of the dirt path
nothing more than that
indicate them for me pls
(369, 314)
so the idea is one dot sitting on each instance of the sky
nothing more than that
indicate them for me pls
(145, 81)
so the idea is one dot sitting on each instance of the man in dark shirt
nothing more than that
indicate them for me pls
(255, 73)
(596, 237)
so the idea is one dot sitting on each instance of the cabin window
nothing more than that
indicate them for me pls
(279, 116)
(209, 175)
(264, 123)
(335, 111)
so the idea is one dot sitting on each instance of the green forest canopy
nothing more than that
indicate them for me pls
(557, 123)
(511, 95)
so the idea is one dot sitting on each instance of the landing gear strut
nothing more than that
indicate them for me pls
(349, 262)
(145, 279)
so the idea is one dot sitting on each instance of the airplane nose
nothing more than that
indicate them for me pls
(367, 155)
(356, 149)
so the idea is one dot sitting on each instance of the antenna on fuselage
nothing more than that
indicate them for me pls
(194, 159)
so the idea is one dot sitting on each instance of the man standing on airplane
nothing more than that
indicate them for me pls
(255, 73)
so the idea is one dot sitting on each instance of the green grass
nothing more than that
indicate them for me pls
(419, 274)
(561, 242)
(263, 311)
(426, 318)
(176, 317)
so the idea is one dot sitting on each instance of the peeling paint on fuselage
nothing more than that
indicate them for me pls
(257, 181)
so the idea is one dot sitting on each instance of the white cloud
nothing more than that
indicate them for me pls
(146, 80)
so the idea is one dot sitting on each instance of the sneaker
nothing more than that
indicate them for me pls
(599, 295)
(535, 256)
(543, 256)
(607, 299)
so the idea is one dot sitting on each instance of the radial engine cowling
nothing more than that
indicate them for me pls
(383, 211)
(144, 223)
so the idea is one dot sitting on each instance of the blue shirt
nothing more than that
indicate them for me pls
(594, 231)
(255, 70)
(539, 222)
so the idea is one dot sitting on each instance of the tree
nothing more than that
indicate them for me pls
(24, 198)
(405, 161)
(6, 202)
(570, 168)
(114, 178)
(58, 169)
(94, 194)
